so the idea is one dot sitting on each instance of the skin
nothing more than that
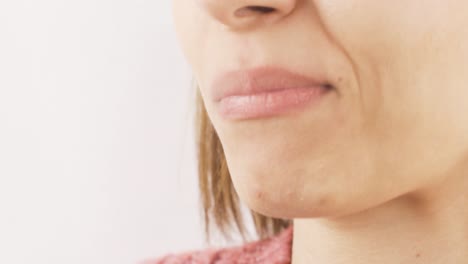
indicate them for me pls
(378, 172)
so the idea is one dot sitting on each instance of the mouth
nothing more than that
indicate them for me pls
(266, 92)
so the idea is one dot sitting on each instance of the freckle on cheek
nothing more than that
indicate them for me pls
(259, 195)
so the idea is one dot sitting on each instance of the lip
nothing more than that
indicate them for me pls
(265, 92)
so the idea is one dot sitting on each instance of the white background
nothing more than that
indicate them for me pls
(97, 157)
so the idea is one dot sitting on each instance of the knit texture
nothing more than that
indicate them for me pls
(274, 250)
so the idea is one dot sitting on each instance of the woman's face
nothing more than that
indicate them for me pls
(395, 121)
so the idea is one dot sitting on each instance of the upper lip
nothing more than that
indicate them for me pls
(260, 80)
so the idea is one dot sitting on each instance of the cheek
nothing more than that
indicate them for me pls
(395, 47)
(190, 26)
(411, 67)
(410, 64)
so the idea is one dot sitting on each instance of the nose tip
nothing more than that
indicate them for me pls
(237, 14)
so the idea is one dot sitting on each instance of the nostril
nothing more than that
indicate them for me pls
(261, 9)
(248, 10)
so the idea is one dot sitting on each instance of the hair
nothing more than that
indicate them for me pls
(220, 203)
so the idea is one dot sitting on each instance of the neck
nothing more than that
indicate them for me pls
(429, 226)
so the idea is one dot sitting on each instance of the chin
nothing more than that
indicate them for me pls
(274, 195)
(302, 181)
(318, 190)
(277, 204)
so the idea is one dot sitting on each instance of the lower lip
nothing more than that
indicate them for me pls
(269, 104)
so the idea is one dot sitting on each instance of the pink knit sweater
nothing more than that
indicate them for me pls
(275, 250)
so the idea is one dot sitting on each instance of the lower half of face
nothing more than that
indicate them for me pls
(393, 124)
